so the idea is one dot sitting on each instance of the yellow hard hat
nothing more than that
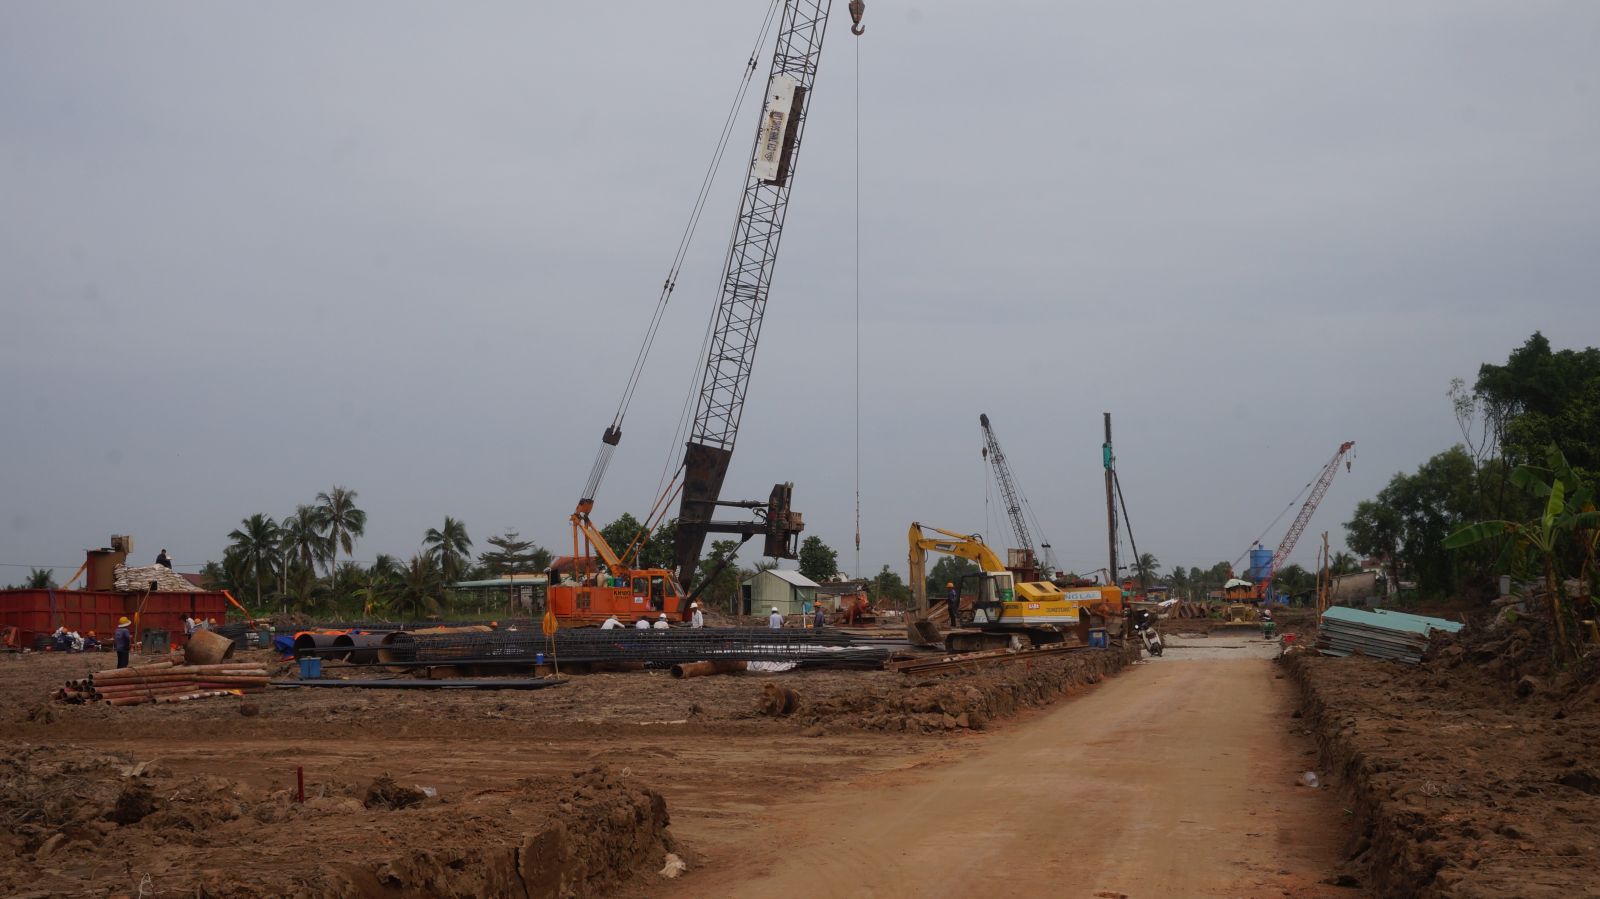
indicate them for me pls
(949, 583)
(123, 622)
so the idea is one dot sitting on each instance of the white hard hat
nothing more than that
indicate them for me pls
(694, 605)
(774, 608)
(662, 615)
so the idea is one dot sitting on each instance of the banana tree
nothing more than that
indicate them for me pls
(1569, 515)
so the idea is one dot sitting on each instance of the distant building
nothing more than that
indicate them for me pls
(832, 593)
(512, 592)
(792, 592)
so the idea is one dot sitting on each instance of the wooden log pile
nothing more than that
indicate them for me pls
(166, 681)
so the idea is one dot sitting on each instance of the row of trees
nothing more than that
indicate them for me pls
(305, 561)
(1510, 419)
(295, 562)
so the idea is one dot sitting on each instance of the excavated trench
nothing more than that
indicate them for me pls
(1464, 778)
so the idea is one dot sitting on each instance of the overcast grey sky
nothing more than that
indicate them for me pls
(250, 251)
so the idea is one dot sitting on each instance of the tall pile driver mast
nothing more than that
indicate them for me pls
(752, 254)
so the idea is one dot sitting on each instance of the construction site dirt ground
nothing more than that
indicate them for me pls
(1174, 776)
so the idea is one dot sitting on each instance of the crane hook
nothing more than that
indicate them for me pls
(857, 7)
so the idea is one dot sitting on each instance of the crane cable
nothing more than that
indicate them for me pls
(1138, 561)
(1274, 523)
(856, 15)
(613, 434)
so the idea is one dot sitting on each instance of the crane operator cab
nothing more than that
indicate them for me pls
(654, 588)
(629, 595)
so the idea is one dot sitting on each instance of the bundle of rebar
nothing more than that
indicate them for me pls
(163, 682)
(658, 648)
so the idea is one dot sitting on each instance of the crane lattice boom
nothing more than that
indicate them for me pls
(752, 254)
(1008, 488)
(1318, 490)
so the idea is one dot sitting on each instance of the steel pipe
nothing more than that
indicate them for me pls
(359, 649)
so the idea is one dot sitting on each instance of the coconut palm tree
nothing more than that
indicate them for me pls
(1145, 567)
(40, 579)
(340, 521)
(419, 592)
(1343, 563)
(451, 545)
(255, 543)
(302, 546)
(381, 579)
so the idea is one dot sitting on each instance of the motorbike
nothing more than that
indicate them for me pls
(1144, 624)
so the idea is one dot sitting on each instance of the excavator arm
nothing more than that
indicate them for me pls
(966, 546)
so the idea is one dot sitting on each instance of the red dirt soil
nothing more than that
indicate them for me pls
(217, 818)
(1476, 774)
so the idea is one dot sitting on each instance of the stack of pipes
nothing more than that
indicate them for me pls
(165, 681)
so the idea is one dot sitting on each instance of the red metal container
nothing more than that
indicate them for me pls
(36, 612)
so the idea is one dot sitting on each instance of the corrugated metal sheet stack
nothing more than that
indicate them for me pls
(1379, 633)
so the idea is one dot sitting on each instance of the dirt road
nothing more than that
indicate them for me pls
(1176, 778)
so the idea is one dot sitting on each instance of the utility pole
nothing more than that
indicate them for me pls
(1112, 576)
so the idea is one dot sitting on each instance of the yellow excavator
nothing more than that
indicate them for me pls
(1006, 610)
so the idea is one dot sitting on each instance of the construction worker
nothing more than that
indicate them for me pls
(188, 625)
(952, 603)
(643, 624)
(820, 616)
(662, 623)
(611, 623)
(123, 641)
(775, 620)
(164, 560)
(696, 619)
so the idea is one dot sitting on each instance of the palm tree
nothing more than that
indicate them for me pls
(451, 544)
(382, 576)
(1343, 563)
(255, 543)
(419, 591)
(302, 546)
(1145, 567)
(40, 579)
(338, 516)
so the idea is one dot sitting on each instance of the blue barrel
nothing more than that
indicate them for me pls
(310, 669)
(1260, 561)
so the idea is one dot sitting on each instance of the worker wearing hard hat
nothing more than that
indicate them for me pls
(952, 603)
(696, 618)
(662, 623)
(611, 623)
(775, 620)
(123, 641)
(643, 624)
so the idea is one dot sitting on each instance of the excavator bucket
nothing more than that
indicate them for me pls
(922, 632)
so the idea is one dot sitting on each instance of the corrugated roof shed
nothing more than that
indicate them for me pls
(793, 577)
